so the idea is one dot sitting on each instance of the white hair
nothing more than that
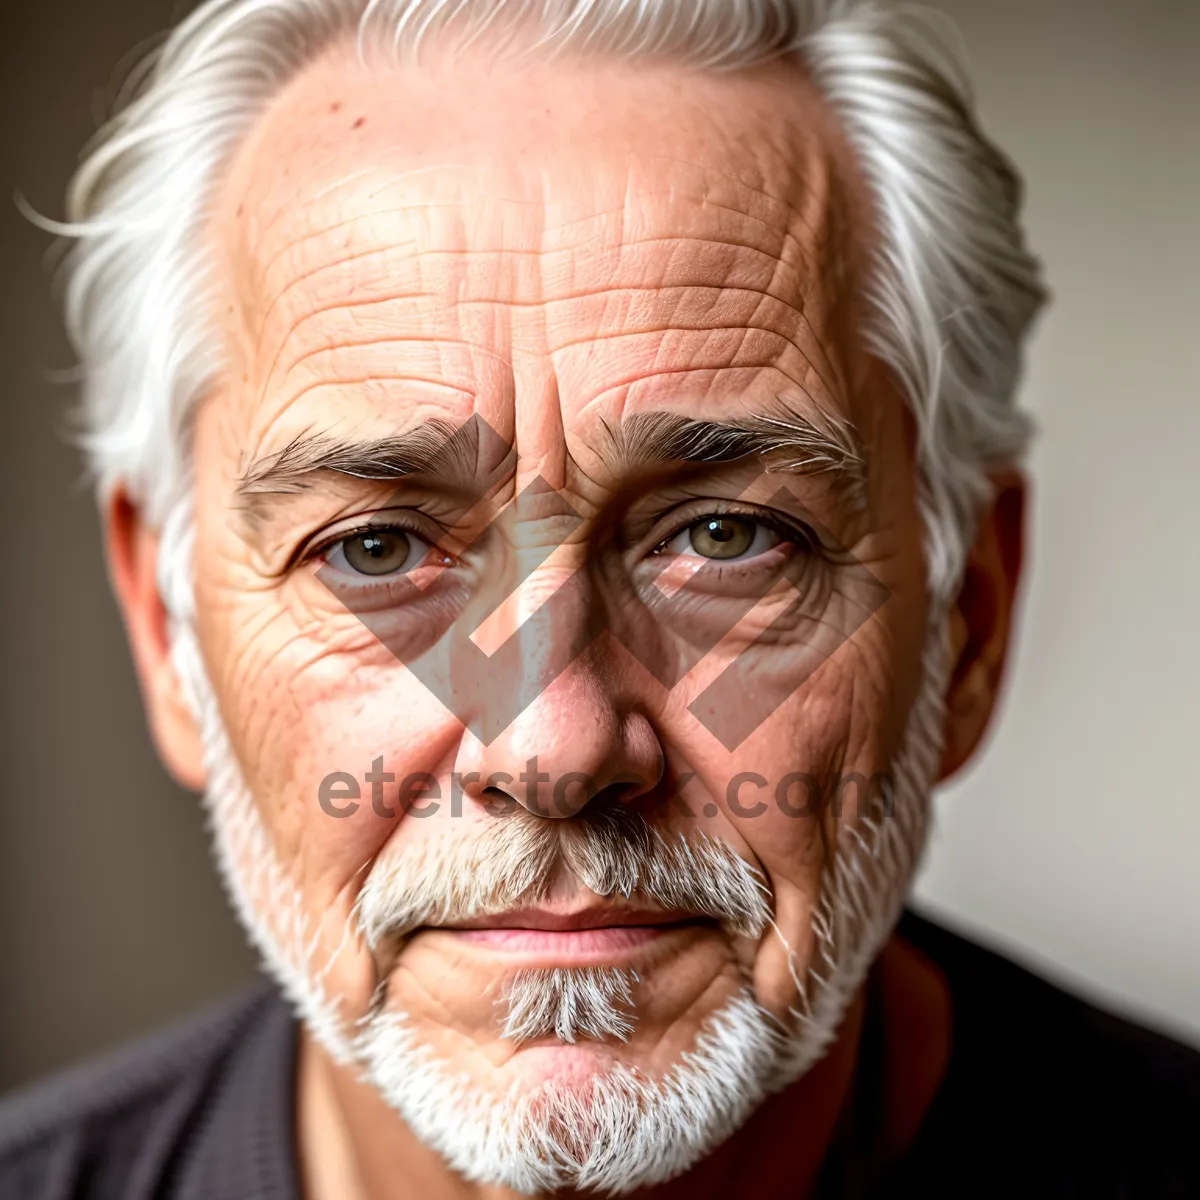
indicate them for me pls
(951, 292)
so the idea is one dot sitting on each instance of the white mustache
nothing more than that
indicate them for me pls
(512, 862)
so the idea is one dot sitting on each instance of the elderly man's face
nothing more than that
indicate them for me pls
(541, 259)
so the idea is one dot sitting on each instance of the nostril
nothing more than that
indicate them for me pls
(617, 793)
(498, 802)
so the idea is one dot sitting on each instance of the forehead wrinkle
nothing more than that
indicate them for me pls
(337, 264)
(568, 253)
(747, 325)
(616, 396)
(309, 314)
(396, 207)
(812, 183)
(781, 243)
(828, 386)
(262, 255)
(664, 293)
(825, 270)
(392, 296)
(344, 382)
(337, 340)
(745, 330)
(340, 383)
(702, 196)
(390, 178)
(700, 328)
(813, 356)
(267, 266)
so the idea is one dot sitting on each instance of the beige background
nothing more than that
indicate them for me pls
(1074, 842)
(1078, 834)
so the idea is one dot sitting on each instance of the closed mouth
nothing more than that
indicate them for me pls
(586, 937)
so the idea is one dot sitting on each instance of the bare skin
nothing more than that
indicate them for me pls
(530, 247)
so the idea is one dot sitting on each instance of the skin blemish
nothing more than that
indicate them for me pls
(359, 123)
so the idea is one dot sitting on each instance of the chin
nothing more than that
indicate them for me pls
(578, 1115)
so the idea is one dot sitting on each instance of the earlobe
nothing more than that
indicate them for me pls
(132, 550)
(981, 622)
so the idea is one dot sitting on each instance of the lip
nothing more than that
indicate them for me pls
(587, 937)
(597, 916)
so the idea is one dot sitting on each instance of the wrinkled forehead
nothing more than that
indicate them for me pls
(446, 223)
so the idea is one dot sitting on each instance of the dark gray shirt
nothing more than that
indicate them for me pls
(1044, 1096)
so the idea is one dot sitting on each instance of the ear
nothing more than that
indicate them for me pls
(132, 548)
(981, 621)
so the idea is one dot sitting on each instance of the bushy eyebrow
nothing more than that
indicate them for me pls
(790, 442)
(466, 454)
(290, 470)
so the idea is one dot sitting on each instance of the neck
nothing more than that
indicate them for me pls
(353, 1147)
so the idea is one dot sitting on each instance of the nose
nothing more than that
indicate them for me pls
(569, 746)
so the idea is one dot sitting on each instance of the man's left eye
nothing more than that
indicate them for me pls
(377, 552)
(724, 536)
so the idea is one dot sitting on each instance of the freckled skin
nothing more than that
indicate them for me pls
(394, 247)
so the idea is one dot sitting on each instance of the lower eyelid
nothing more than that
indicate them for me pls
(342, 579)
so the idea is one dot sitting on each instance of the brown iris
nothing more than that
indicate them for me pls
(377, 552)
(722, 537)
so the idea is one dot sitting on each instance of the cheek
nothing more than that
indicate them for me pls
(333, 759)
(326, 739)
(785, 796)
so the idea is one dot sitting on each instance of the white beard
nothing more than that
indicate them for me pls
(623, 1130)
